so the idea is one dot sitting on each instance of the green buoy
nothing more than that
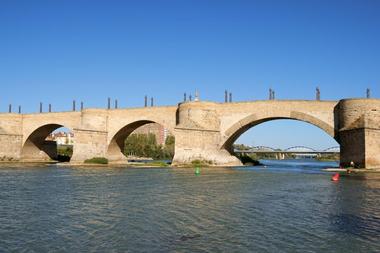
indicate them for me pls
(197, 171)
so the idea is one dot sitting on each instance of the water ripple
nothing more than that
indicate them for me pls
(276, 209)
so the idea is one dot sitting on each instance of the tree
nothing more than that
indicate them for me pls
(169, 146)
(145, 145)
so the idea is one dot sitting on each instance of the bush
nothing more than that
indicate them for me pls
(97, 160)
(158, 163)
(198, 162)
(249, 160)
(65, 150)
(7, 159)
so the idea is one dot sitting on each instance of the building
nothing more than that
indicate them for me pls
(62, 138)
(158, 130)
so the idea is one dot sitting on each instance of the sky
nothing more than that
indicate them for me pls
(57, 51)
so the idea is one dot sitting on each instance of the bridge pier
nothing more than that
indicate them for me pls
(358, 126)
(202, 145)
(10, 137)
(88, 144)
(280, 156)
(90, 136)
(197, 136)
(10, 147)
(115, 152)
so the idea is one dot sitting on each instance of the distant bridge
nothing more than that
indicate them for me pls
(292, 150)
(300, 150)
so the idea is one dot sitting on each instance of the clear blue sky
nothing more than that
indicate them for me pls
(56, 51)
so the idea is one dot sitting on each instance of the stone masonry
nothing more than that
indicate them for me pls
(202, 130)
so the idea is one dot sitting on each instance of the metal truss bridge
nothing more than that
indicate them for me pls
(290, 150)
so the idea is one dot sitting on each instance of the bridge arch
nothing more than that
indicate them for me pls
(240, 127)
(303, 148)
(115, 149)
(265, 147)
(335, 148)
(35, 145)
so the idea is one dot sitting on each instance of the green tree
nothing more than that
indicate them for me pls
(169, 147)
(145, 145)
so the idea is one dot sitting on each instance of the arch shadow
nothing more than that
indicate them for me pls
(115, 150)
(36, 147)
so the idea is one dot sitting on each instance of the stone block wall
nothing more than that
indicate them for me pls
(203, 130)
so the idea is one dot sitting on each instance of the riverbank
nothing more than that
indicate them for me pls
(352, 170)
(157, 164)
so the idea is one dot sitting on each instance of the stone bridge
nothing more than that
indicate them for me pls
(202, 130)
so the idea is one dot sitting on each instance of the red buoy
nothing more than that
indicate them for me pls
(335, 177)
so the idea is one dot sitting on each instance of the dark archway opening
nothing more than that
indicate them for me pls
(52, 142)
(142, 141)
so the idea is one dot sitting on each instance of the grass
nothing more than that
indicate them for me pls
(152, 164)
(198, 163)
(97, 160)
(7, 159)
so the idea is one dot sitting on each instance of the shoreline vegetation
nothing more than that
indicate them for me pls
(157, 164)
(97, 160)
(249, 160)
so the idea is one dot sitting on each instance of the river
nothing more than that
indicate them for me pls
(287, 206)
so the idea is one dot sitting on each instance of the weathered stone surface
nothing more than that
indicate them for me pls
(358, 126)
(11, 145)
(203, 130)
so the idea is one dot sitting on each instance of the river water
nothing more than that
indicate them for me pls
(288, 206)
